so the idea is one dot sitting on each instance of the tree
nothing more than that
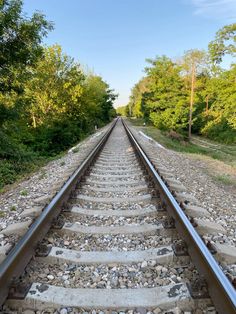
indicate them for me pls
(121, 111)
(55, 88)
(20, 40)
(221, 117)
(97, 100)
(224, 43)
(191, 95)
(135, 102)
(62, 103)
(165, 100)
(47, 103)
(193, 62)
(20, 48)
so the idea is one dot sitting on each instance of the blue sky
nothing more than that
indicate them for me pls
(114, 37)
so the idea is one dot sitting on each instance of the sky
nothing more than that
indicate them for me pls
(113, 38)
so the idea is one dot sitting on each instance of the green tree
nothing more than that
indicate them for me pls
(135, 102)
(224, 43)
(191, 94)
(20, 47)
(165, 100)
(221, 117)
(97, 101)
(55, 88)
(62, 103)
(46, 102)
(20, 40)
(121, 110)
(193, 64)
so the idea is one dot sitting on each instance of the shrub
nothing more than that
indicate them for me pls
(220, 131)
(175, 136)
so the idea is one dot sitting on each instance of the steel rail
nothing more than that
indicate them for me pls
(220, 289)
(17, 259)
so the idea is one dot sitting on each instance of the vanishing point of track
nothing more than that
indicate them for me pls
(118, 196)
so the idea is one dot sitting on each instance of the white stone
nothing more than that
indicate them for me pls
(50, 277)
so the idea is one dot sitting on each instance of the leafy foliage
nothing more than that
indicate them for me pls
(121, 111)
(166, 98)
(20, 39)
(224, 43)
(47, 103)
(189, 95)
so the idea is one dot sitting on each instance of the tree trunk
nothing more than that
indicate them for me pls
(191, 101)
(207, 103)
(130, 111)
(34, 121)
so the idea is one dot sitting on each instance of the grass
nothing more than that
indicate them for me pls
(225, 179)
(42, 175)
(219, 159)
(75, 150)
(226, 152)
(24, 193)
(222, 152)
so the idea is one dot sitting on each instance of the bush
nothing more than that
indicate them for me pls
(56, 138)
(11, 149)
(220, 131)
(7, 173)
(15, 159)
(175, 136)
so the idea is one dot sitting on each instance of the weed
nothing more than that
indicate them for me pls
(24, 192)
(43, 175)
(62, 163)
(2, 214)
(225, 179)
(75, 150)
(2, 190)
(13, 208)
(175, 136)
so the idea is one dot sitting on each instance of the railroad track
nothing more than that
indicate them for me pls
(114, 239)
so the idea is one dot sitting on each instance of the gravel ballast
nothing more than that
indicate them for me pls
(42, 184)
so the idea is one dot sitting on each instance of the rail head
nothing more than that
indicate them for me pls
(17, 259)
(220, 289)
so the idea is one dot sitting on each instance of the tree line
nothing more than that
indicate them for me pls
(47, 102)
(193, 94)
